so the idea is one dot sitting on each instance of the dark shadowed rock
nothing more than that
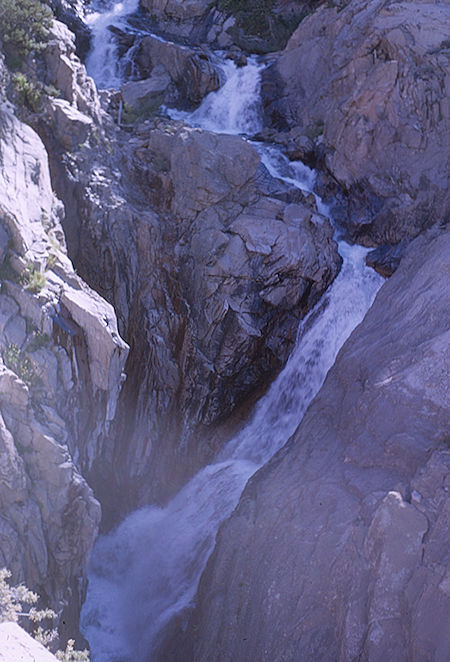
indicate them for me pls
(190, 72)
(386, 258)
(339, 548)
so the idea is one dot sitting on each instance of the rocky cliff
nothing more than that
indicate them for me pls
(209, 263)
(60, 377)
(338, 549)
(208, 260)
(370, 83)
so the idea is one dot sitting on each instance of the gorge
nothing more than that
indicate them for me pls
(266, 437)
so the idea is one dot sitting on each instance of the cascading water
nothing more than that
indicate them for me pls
(102, 62)
(147, 570)
(236, 107)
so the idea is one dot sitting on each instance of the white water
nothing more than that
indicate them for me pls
(236, 107)
(148, 569)
(102, 62)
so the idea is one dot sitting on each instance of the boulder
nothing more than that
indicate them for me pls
(72, 128)
(190, 19)
(191, 71)
(379, 104)
(338, 549)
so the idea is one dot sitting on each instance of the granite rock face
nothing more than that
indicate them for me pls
(339, 548)
(210, 264)
(378, 109)
(182, 75)
(60, 375)
(197, 21)
(208, 261)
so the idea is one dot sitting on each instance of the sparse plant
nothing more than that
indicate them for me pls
(17, 361)
(32, 279)
(52, 91)
(52, 260)
(16, 603)
(28, 93)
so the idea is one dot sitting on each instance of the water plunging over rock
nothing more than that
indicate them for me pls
(339, 546)
(270, 240)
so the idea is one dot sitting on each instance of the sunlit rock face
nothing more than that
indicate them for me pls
(182, 75)
(16, 644)
(60, 376)
(199, 21)
(370, 83)
(339, 547)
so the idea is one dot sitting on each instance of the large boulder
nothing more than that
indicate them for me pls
(338, 549)
(16, 644)
(174, 74)
(378, 106)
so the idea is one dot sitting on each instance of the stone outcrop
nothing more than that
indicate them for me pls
(338, 549)
(60, 375)
(196, 21)
(208, 261)
(175, 75)
(208, 280)
(378, 109)
(71, 12)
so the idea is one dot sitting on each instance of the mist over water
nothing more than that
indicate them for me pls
(148, 569)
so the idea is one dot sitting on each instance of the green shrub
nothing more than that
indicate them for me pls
(24, 27)
(28, 93)
(19, 363)
(32, 279)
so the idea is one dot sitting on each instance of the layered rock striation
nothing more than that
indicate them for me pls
(338, 549)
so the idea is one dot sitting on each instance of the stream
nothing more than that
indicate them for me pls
(147, 570)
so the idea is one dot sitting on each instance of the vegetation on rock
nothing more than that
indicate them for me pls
(24, 27)
(17, 602)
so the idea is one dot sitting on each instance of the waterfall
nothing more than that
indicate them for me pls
(147, 570)
(236, 107)
(102, 62)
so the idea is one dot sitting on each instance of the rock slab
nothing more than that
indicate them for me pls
(339, 548)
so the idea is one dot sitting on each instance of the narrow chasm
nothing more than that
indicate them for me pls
(225, 329)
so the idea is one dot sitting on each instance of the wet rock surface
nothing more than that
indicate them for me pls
(339, 547)
(210, 264)
(378, 106)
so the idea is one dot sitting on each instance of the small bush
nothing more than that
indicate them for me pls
(24, 26)
(28, 93)
(32, 279)
(16, 603)
(19, 363)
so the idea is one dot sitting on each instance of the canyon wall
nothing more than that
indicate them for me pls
(338, 549)
(208, 260)
(370, 84)
(60, 376)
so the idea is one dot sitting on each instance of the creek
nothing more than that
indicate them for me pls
(146, 571)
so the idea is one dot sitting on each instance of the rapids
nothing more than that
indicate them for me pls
(147, 570)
